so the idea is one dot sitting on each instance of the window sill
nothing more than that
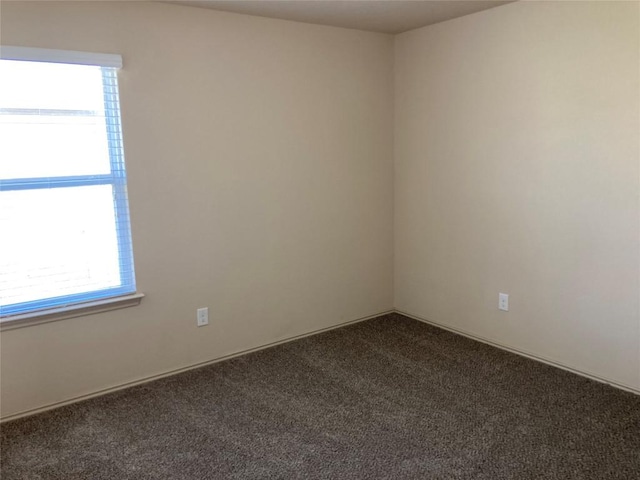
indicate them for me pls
(62, 313)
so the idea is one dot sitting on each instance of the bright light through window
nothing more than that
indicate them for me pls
(63, 202)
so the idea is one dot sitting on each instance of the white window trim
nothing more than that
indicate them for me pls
(30, 54)
(76, 310)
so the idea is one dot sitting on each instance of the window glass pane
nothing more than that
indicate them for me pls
(51, 120)
(52, 145)
(50, 86)
(57, 242)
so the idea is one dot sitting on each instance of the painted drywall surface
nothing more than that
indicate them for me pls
(259, 156)
(517, 170)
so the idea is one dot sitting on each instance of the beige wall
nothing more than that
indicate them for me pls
(517, 155)
(259, 155)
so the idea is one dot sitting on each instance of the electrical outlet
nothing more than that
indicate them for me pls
(503, 301)
(202, 317)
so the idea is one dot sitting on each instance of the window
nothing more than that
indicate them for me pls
(65, 237)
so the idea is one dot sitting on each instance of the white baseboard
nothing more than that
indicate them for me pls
(169, 373)
(140, 381)
(524, 353)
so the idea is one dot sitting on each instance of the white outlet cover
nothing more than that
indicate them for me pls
(202, 316)
(503, 302)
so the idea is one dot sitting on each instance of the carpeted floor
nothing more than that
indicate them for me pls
(389, 398)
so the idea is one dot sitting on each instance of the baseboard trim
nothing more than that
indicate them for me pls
(522, 353)
(169, 373)
(151, 378)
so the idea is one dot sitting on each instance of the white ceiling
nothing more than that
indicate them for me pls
(387, 16)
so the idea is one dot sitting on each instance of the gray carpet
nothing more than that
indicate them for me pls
(389, 398)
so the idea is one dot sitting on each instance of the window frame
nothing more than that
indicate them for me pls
(95, 300)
